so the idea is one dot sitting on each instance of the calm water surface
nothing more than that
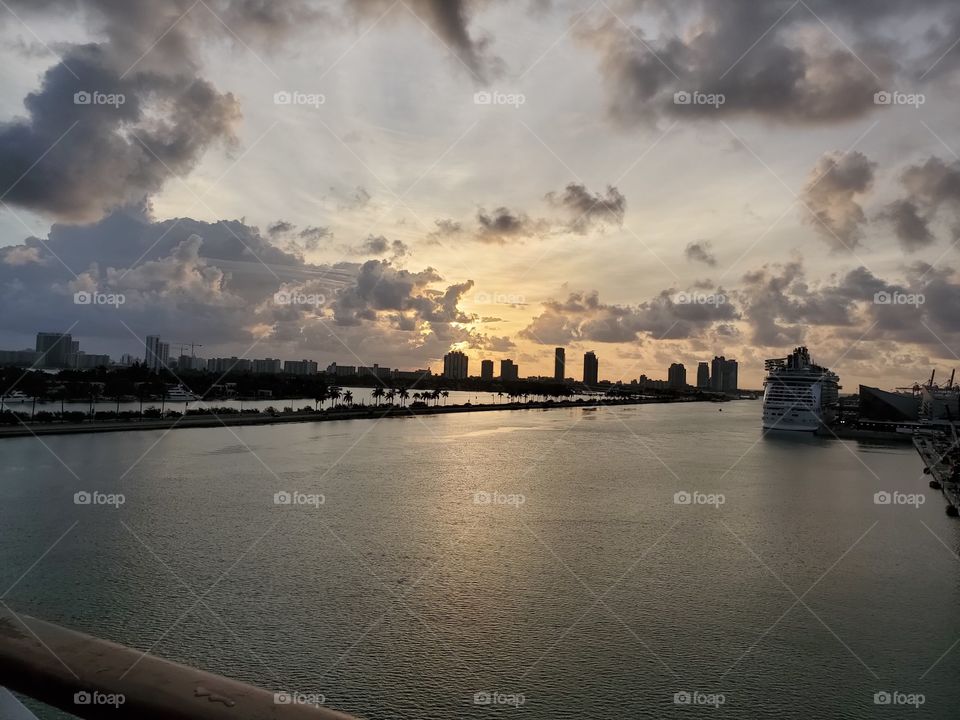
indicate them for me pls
(401, 596)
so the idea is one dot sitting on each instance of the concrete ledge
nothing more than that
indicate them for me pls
(53, 665)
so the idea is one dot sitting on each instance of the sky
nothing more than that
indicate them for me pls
(381, 182)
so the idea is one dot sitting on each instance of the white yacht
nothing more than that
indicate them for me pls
(798, 394)
(178, 393)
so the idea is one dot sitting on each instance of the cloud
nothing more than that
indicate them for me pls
(932, 190)
(78, 161)
(700, 251)
(910, 227)
(379, 245)
(503, 225)
(583, 317)
(831, 194)
(771, 60)
(585, 209)
(449, 20)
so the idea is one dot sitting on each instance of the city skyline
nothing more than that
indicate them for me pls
(404, 242)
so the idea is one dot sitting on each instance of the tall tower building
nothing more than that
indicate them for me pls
(716, 373)
(591, 368)
(486, 370)
(559, 364)
(55, 349)
(455, 365)
(157, 353)
(730, 376)
(508, 370)
(677, 376)
(703, 376)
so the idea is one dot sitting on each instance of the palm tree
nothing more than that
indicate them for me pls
(318, 397)
(378, 392)
(391, 394)
(334, 393)
(348, 397)
(445, 396)
(402, 392)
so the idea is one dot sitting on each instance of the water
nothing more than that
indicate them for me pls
(401, 597)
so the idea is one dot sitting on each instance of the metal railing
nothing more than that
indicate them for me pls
(93, 678)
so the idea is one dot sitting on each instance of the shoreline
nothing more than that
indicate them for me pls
(366, 413)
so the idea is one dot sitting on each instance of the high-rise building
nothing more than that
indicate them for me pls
(723, 375)
(455, 365)
(486, 370)
(716, 373)
(300, 367)
(677, 376)
(157, 353)
(730, 376)
(266, 366)
(703, 376)
(508, 370)
(591, 368)
(55, 349)
(559, 364)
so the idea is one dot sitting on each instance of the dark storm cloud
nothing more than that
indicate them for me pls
(379, 245)
(77, 161)
(449, 20)
(585, 209)
(776, 59)
(700, 251)
(910, 227)
(280, 227)
(830, 198)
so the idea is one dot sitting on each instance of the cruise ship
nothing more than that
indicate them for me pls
(798, 394)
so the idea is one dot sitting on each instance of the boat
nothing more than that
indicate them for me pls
(178, 393)
(17, 396)
(798, 394)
